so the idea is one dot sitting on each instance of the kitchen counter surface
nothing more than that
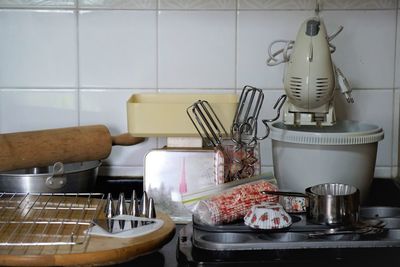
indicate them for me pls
(384, 192)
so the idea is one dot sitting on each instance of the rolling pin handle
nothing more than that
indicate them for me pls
(126, 140)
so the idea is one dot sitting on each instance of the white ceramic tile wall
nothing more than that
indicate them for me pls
(38, 48)
(37, 109)
(37, 3)
(366, 46)
(76, 62)
(117, 49)
(310, 4)
(256, 30)
(118, 4)
(196, 49)
(197, 4)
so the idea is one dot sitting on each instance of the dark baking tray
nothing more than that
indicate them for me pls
(353, 254)
(238, 236)
(238, 245)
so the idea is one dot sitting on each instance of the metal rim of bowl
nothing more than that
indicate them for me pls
(84, 166)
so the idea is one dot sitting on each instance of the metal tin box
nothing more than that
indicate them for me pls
(169, 173)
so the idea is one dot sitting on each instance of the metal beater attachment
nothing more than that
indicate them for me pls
(278, 106)
(244, 126)
(206, 123)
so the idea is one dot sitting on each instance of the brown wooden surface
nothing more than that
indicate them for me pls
(44, 148)
(96, 251)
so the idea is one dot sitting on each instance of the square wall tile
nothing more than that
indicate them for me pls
(196, 49)
(118, 4)
(256, 31)
(373, 107)
(366, 46)
(310, 4)
(197, 91)
(37, 109)
(117, 49)
(197, 4)
(108, 107)
(351, 4)
(38, 3)
(276, 4)
(38, 48)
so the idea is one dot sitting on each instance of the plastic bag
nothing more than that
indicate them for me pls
(233, 204)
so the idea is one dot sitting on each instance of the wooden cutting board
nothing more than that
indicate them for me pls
(97, 250)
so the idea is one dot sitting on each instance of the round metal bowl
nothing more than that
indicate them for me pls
(334, 204)
(58, 178)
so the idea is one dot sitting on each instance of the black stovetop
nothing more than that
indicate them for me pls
(384, 192)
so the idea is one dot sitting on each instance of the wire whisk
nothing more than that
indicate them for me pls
(244, 126)
(206, 123)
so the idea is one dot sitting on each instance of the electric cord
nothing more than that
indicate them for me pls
(288, 45)
(272, 57)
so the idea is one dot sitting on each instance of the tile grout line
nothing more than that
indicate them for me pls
(157, 139)
(396, 110)
(157, 45)
(89, 88)
(183, 9)
(78, 78)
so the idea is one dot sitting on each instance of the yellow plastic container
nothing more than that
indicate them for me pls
(165, 114)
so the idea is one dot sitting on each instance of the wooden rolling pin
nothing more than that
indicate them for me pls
(44, 148)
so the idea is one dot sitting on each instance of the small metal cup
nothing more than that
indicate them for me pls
(330, 203)
(334, 204)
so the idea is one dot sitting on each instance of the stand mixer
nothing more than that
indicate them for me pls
(309, 127)
(310, 76)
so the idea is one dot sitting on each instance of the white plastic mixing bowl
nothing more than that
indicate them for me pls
(304, 156)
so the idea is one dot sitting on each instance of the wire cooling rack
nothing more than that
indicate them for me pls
(47, 219)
